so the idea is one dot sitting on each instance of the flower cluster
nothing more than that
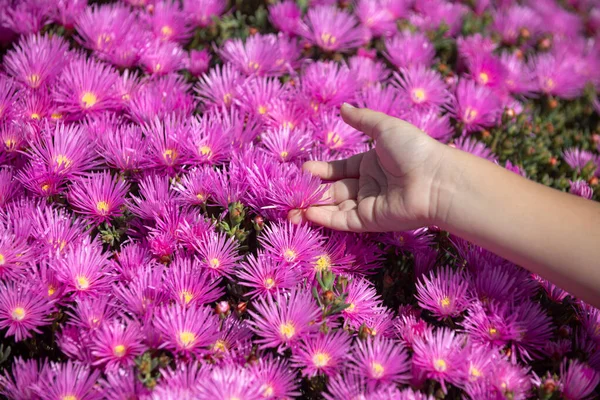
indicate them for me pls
(150, 153)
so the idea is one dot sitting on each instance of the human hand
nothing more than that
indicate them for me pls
(393, 187)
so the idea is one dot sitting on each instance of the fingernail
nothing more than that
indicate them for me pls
(348, 105)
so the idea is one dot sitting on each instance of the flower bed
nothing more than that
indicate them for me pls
(151, 152)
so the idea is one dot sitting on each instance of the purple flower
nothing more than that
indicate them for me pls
(517, 23)
(578, 159)
(289, 243)
(161, 57)
(72, 379)
(331, 29)
(166, 140)
(323, 354)
(266, 276)
(363, 301)
(440, 356)
(282, 320)
(327, 84)
(116, 344)
(581, 188)
(474, 147)
(91, 313)
(190, 286)
(219, 86)
(445, 293)
(18, 384)
(99, 197)
(431, 14)
(276, 378)
(22, 310)
(488, 70)
(436, 126)
(556, 76)
(83, 271)
(578, 380)
(168, 22)
(407, 49)
(257, 56)
(421, 89)
(334, 134)
(102, 28)
(198, 62)
(376, 17)
(227, 382)
(124, 148)
(202, 12)
(218, 254)
(385, 99)
(475, 106)
(380, 360)
(286, 17)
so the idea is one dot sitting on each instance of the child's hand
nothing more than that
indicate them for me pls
(390, 188)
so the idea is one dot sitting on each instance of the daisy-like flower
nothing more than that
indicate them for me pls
(368, 71)
(34, 108)
(266, 276)
(376, 17)
(123, 384)
(327, 84)
(92, 313)
(229, 382)
(116, 345)
(431, 14)
(380, 360)
(286, 17)
(24, 375)
(168, 22)
(323, 354)
(282, 320)
(166, 140)
(519, 78)
(143, 294)
(258, 55)
(493, 325)
(9, 187)
(346, 386)
(256, 95)
(295, 189)
(506, 380)
(290, 243)
(22, 310)
(409, 328)
(363, 300)
(488, 70)
(86, 86)
(202, 12)
(70, 380)
(102, 28)
(581, 188)
(474, 147)
(183, 380)
(556, 76)
(219, 86)
(285, 113)
(15, 253)
(161, 58)
(436, 126)
(194, 188)
(331, 29)
(275, 378)
(440, 356)
(36, 60)
(517, 23)
(186, 330)
(218, 254)
(445, 293)
(421, 88)
(25, 17)
(334, 134)
(83, 270)
(55, 231)
(99, 197)
(475, 106)
(385, 99)
(578, 159)
(198, 62)
(535, 329)
(332, 257)
(190, 286)
(9, 94)
(578, 379)
(407, 49)
(285, 144)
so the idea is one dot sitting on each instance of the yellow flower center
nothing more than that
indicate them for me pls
(323, 263)
(254, 65)
(484, 78)
(89, 99)
(62, 161)
(350, 308)
(220, 345)
(82, 282)
(288, 124)
(321, 359)
(205, 150)
(284, 154)
(440, 365)
(35, 116)
(45, 187)
(166, 31)
(69, 397)
(51, 290)
(187, 339)
(103, 38)
(2, 259)
(186, 296)
(493, 331)
(200, 197)
(418, 95)
(119, 350)
(267, 391)
(262, 110)
(56, 115)
(227, 97)
(328, 39)
(102, 207)
(269, 283)
(377, 370)
(10, 144)
(157, 67)
(474, 372)
(287, 330)
(18, 314)
(214, 263)
(549, 84)
(445, 302)
(34, 80)
(289, 255)
(170, 155)
(470, 115)
(334, 140)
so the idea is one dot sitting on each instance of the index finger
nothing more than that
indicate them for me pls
(371, 123)
(335, 170)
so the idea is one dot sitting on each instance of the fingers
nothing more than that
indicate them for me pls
(346, 189)
(372, 123)
(335, 170)
(348, 221)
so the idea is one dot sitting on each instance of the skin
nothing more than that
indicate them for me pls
(410, 180)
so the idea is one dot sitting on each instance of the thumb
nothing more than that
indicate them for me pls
(371, 123)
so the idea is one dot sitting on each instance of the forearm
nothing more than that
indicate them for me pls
(553, 234)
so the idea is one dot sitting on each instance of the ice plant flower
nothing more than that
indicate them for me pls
(331, 29)
(280, 321)
(117, 344)
(186, 330)
(276, 378)
(70, 380)
(257, 56)
(218, 254)
(578, 379)
(323, 354)
(380, 360)
(475, 106)
(22, 310)
(289, 243)
(266, 276)
(286, 17)
(202, 12)
(19, 383)
(83, 270)
(99, 197)
(190, 286)
(421, 89)
(445, 293)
